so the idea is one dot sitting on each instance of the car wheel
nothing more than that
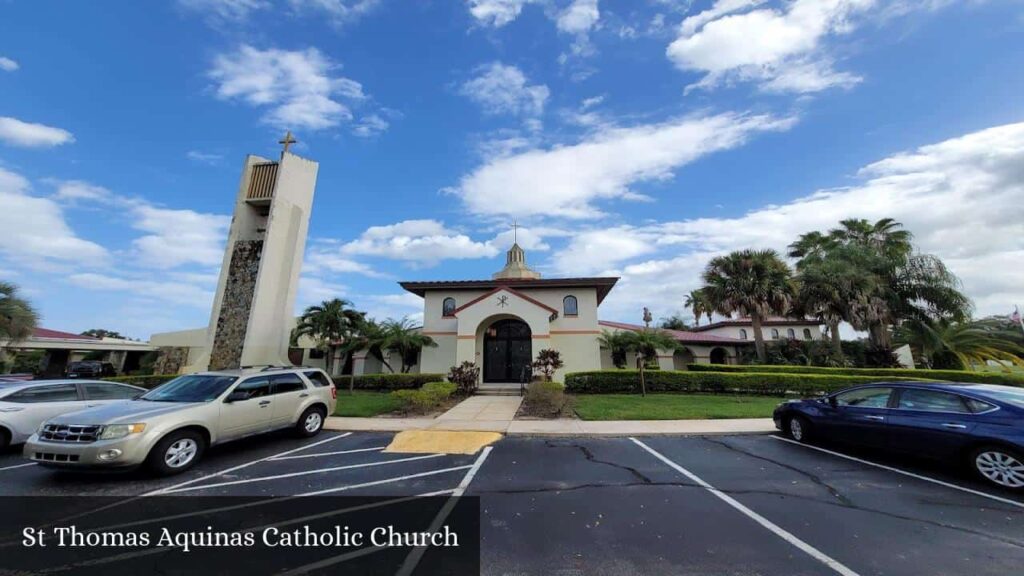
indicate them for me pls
(798, 428)
(1000, 466)
(177, 452)
(311, 422)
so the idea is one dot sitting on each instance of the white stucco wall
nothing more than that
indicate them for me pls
(766, 331)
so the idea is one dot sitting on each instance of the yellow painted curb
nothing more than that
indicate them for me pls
(441, 442)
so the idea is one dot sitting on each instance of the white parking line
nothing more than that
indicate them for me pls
(18, 466)
(905, 473)
(414, 557)
(246, 465)
(319, 454)
(774, 528)
(302, 473)
(194, 480)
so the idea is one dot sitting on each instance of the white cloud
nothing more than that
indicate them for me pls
(381, 306)
(74, 190)
(596, 251)
(340, 12)
(501, 89)
(28, 135)
(370, 125)
(35, 231)
(225, 10)
(566, 181)
(8, 65)
(177, 237)
(147, 289)
(960, 198)
(297, 87)
(737, 40)
(204, 157)
(418, 242)
(579, 17)
(325, 258)
(314, 290)
(497, 13)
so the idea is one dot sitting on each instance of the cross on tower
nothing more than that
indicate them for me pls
(515, 232)
(288, 140)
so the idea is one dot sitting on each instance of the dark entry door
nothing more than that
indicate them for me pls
(507, 350)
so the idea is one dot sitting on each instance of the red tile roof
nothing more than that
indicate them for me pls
(745, 322)
(507, 289)
(680, 335)
(603, 284)
(47, 333)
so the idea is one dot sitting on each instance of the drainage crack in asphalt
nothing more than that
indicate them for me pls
(814, 478)
(589, 456)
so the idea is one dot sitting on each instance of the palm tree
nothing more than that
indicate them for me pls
(940, 343)
(754, 283)
(331, 325)
(674, 322)
(618, 344)
(17, 316)
(404, 338)
(829, 289)
(645, 344)
(697, 301)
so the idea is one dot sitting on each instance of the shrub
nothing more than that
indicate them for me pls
(1005, 378)
(548, 360)
(387, 381)
(150, 381)
(465, 377)
(427, 399)
(772, 384)
(546, 399)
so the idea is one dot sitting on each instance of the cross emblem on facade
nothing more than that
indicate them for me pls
(288, 140)
(502, 301)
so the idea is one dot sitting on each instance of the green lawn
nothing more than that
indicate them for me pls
(364, 404)
(673, 406)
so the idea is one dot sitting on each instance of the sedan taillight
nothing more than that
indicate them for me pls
(334, 392)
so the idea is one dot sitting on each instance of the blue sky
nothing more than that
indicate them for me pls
(630, 138)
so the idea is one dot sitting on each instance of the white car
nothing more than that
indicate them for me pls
(24, 405)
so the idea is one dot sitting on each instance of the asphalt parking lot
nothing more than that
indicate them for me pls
(660, 505)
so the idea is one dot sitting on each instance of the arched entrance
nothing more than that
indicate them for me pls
(508, 348)
(719, 356)
(682, 358)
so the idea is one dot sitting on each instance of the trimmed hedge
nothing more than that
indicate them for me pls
(428, 398)
(619, 381)
(388, 381)
(150, 381)
(1007, 379)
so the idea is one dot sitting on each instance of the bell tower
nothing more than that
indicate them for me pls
(253, 310)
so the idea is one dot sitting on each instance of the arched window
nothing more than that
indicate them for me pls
(743, 334)
(775, 333)
(807, 333)
(570, 306)
(790, 333)
(448, 307)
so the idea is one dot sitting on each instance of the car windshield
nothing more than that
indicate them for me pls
(1014, 397)
(194, 388)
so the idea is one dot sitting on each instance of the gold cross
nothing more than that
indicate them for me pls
(288, 140)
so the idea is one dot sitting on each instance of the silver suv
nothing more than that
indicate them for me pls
(170, 427)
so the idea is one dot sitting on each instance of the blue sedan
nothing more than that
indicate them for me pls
(981, 425)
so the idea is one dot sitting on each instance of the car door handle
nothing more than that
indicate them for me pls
(954, 426)
(264, 403)
(875, 418)
(304, 395)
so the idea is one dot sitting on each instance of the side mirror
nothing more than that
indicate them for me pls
(237, 396)
(832, 401)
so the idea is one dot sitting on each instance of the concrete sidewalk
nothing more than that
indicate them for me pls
(561, 427)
